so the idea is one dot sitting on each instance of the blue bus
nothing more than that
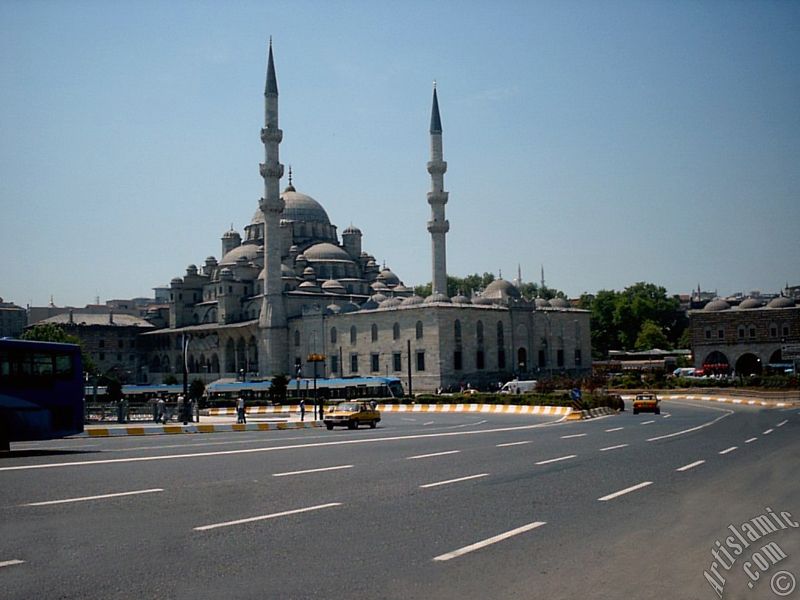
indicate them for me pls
(342, 388)
(41, 391)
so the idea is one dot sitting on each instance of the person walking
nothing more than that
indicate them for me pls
(302, 409)
(161, 411)
(240, 411)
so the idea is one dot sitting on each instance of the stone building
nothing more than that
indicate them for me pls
(744, 339)
(13, 319)
(289, 288)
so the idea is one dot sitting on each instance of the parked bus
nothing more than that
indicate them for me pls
(345, 388)
(41, 391)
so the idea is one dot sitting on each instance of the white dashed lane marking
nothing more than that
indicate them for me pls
(782, 423)
(767, 432)
(11, 563)
(614, 447)
(750, 440)
(574, 435)
(614, 429)
(433, 454)
(99, 497)
(489, 541)
(633, 488)
(448, 481)
(647, 422)
(727, 450)
(320, 470)
(264, 517)
(552, 460)
(513, 444)
(696, 463)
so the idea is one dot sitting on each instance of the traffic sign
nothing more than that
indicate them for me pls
(790, 351)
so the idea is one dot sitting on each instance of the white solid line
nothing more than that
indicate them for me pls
(312, 471)
(430, 485)
(750, 440)
(552, 460)
(84, 498)
(264, 517)
(696, 463)
(767, 432)
(8, 563)
(633, 488)
(782, 423)
(513, 444)
(434, 454)
(566, 437)
(614, 429)
(731, 449)
(614, 447)
(728, 413)
(489, 541)
(646, 422)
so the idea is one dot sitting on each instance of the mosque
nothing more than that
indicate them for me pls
(289, 290)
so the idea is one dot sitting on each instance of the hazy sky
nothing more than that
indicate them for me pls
(611, 142)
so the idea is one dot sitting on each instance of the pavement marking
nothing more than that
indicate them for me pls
(513, 444)
(265, 517)
(430, 485)
(666, 415)
(100, 497)
(646, 422)
(728, 413)
(696, 463)
(489, 541)
(614, 447)
(750, 440)
(320, 470)
(727, 450)
(9, 563)
(633, 488)
(552, 460)
(614, 429)
(782, 423)
(767, 432)
(574, 435)
(432, 454)
(428, 423)
(360, 440)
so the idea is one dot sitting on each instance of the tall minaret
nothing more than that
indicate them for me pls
(438, 226)
(273, 323)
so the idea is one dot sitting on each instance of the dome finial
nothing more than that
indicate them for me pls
(290, 187)
(290, 175)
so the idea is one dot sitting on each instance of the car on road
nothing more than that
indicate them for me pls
(352, 414)
(646, 403)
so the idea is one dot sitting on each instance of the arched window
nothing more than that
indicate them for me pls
(479, 333)
(333, 335)
(420, 330)
(457, 331)
(374, 332)
(396, 331)
(501, 346)
(353, 334)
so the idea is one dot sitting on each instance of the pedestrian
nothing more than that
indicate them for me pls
(240, 411)
(161, 412)
(302, 409)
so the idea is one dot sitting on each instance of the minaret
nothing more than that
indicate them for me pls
(438, 226)
(272, 321)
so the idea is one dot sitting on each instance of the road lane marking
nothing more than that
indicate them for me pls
(566, 437)
(345, 442)
(731, 449)
(666, 415)
(767, 432)
(750, 440)
(633, 488)
(782, 423)
(468, 477)
(320, 470)
(696, 463)
(265, 517)
(9, 563)
(432, 454)
(646, 422)
(614, 429)
(552, 460)
(489, 541)
(614, 447)
(100, 497)
(728, 413)
(428, 423)
(513, 444)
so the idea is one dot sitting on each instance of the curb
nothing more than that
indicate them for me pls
(724, 400)
(415, 408)
(580, 415)
(198, 428)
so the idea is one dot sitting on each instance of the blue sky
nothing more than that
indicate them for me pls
(611, 142)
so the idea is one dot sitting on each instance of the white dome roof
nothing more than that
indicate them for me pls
(326, 251)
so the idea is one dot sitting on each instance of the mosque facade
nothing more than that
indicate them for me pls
(289, 289)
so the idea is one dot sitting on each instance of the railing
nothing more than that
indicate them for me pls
(99, 412)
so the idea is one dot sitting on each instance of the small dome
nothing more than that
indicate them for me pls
(717, 305)
(332, 286)
(300, 258)
(401, 289)
(308, 286)
(250, 251)
(352, 231)
(559, 303)
(499, 289)
(191, 270)
(749, 303)
(176, 280)
(389, 278)
(350, 307)
(309, 272)
(461, 299)
(231, 234)
(326, 251)
(781, 302)
(481, 300)
(369, 304)
(226, 273)
(437, 297)
(378, 298)
(541, 303)
(413, 300)
(391, 302)
(333, 309)
(379, 286)
(210, 260)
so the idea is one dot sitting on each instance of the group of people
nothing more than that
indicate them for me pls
(161, 413)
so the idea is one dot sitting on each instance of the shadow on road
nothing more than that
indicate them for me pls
(43, 452)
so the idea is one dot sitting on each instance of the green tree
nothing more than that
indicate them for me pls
(196, 389)
(52, 332)
(652, 336)
(170, 379)
(277, 390)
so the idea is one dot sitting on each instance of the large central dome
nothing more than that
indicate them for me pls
(298, 207)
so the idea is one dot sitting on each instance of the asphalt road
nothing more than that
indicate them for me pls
(426, 506)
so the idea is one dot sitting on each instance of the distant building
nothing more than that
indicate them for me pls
(13, 319)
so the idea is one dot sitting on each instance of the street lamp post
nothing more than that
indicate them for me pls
(316, 358)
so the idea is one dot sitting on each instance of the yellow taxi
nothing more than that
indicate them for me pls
(646, 403)
(352, 414)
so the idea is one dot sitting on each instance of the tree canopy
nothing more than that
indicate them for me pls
(475, 283)
(51, 332)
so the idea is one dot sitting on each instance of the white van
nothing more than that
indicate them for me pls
(515, 386)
